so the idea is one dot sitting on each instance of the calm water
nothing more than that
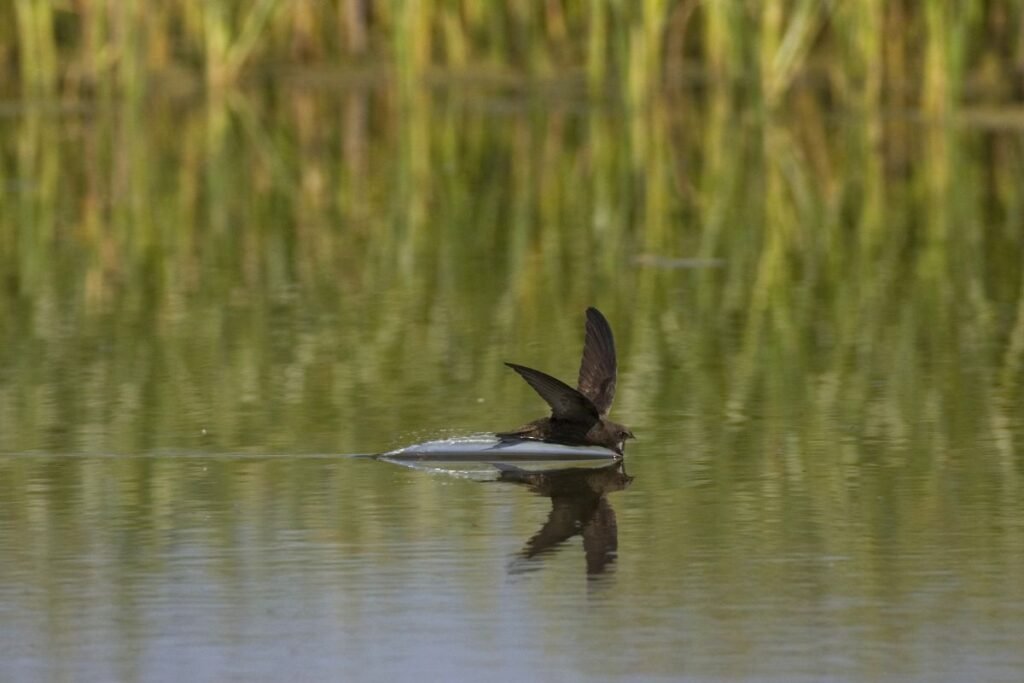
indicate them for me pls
(206, 307)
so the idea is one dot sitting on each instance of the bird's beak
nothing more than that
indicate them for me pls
(629, 435)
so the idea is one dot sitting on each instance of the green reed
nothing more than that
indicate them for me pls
(929, 54)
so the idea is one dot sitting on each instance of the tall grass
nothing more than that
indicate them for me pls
(929, 54)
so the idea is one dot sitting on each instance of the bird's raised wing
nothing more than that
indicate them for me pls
(566, 403)
(598, 367)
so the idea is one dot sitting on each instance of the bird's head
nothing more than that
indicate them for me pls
(613, 436)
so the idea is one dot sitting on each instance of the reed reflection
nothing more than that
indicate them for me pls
(579, 505)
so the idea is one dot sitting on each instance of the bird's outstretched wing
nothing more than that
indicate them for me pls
(566, 403)
(598, 367)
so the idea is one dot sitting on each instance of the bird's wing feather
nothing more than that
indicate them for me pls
(598, 366)
(566, 403)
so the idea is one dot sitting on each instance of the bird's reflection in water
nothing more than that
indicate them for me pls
(579, 505)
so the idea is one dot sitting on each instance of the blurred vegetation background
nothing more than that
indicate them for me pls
(372, 183)
(925, 54)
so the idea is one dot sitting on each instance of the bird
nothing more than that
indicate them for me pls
(579, 417)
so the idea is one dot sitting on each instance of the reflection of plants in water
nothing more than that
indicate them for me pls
(579, 506)
(271, 276)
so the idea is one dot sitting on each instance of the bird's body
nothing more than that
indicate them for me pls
(579, 416)
(603, 432)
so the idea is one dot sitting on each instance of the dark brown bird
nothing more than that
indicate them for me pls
(579, 416)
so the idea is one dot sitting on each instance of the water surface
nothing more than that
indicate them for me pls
(206, 307)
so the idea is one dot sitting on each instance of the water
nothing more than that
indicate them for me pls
(207, 307)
